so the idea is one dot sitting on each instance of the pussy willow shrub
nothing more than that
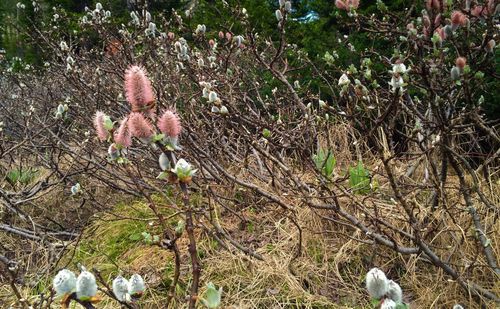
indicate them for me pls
(249, 123)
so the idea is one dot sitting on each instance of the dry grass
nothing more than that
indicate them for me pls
(329, 273)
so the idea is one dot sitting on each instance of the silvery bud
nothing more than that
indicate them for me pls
(60, 109)
(376, 283)
(152, 27)
(223, 110)
(395, 293)
(64, 282)
(212, 96)
(344, 80)
(205, 92)
(136, 286)
(120, 288)
(200, 29)
(86, 286)
(239, 40)
(135, 18)
(279, 16)
(288, 6)
(455, 73)
(113, 152)
(76, 189)
(164, 162)
(63, 46)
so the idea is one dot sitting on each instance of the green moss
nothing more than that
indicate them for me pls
(113, 235)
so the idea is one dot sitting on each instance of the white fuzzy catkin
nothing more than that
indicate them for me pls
(288, 6)
(344, 80)
(136, 285)
(455, 73)
(120, 288)
(164, 162)
(212, 96)
(279, 16)
(224, 110)
(64, 282)
(376, 283)
(394, 292)
(86, 286)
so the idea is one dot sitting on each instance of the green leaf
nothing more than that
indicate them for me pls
(158, 137)
(329, 165)
(325, 162)
(212, 296)
(162, 175)
(179, 229)
(135, 236)
(266, 133)
(359, 179)
(147, 237)
(108, 123)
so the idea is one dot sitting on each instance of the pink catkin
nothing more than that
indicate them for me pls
(436, 4)
(102, 133)
(479, 11)
(170, 124)
(138, 89)
(441, 33)
(433, 4)
(458, 18)
(427, 21)
(437, 19)
(460, 62)
(139, 126)
(346, 4)
(122, 136)
(428, 5)
(491, 6)
(354, 4)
